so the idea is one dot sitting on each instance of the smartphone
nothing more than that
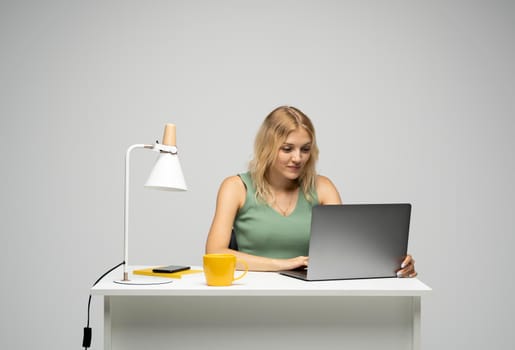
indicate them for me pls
(170, 269)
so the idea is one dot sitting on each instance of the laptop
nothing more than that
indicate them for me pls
(354, 241)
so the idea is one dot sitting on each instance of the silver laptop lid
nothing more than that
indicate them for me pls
(358, 240)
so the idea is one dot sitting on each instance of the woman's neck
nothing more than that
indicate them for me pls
(282, 184)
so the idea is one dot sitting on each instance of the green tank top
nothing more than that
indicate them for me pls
(261, 230)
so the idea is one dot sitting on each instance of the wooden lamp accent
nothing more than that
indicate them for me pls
(169, 138)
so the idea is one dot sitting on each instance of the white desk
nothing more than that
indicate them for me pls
(264, 310)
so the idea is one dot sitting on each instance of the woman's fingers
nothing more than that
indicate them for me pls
(407, 267)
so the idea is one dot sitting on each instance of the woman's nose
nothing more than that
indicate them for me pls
(296, 156)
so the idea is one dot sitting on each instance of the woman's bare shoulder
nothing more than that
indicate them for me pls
(232, 188)
(327, 191)
(233, 181)
(323, 182)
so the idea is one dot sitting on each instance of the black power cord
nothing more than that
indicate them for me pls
(86, 339)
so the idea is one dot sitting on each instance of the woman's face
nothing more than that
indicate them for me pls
(293, 155)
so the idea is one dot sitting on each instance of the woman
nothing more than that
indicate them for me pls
(269, 207)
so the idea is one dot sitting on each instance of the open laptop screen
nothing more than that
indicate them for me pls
(352, 241)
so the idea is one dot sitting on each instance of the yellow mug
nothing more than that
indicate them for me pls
(219, 269)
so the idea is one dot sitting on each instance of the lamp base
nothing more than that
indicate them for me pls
(144, 280)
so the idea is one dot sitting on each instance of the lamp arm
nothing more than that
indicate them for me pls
(126, 210)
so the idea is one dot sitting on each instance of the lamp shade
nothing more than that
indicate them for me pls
(167, 174)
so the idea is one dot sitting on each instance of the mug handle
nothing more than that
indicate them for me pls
(244, 272)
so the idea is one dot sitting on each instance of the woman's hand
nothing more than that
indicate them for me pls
(293, 263)
(407, 267)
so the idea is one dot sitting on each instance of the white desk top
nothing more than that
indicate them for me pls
(264, 284)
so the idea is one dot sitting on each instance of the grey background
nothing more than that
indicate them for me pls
(412, 101)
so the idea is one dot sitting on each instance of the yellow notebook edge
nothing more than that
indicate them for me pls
(178, 274)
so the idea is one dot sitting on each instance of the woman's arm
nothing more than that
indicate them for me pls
(231, 197)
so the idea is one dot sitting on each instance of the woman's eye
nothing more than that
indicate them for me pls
(286, 149)
(306, 150)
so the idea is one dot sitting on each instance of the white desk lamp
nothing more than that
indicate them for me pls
(166, 175)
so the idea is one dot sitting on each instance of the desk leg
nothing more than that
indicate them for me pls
(107, 323)
(416, 323)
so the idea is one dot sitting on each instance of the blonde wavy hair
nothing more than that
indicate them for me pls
(272, 134)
